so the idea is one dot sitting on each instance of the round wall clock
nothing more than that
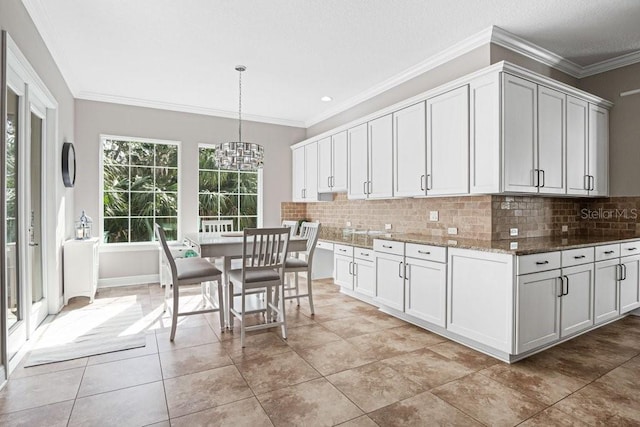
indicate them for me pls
(68, 164)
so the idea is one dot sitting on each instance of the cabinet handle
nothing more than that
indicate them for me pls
(369, 185)
(350, 269)
(578, 257)
(537, 178)
(400, 270)
(542, 262)
(342, 250)
(608, 252)
(587, 182)
(364, 254)
(632, 249)
(421, 182)
(329, 181)
(593, 182)
(387, 246)
(567, 293)
(333, 181)
(561, 286)
(618, 272)
(364, 187)
(429, 182)
(624, 269)
(355, 269)
(406, 268)
(424, 252)
(543, 180)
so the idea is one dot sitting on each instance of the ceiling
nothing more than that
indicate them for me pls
(181, 54)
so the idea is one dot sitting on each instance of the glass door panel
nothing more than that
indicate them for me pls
(35, 214)
(14, 294)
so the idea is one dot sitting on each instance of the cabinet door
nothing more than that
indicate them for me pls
(630, 284)
(577, 146)
(426, 290)
(484, 115)
(364, 281)
(551, 140)
(381, 157)
(448, 143)
(577, 304)
(599, 150)
(342, 271)
(409, 149)
(340, 162)
(298, 175)
(390, 280)
(311, 172)
(538, 309)
(606, 290)
(358, 174)
(325, 165)
(520, 106)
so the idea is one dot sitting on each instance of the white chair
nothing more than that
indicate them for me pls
(189, 271)
(217, 225)
(264, 251)
(309, 231)
(293, 225)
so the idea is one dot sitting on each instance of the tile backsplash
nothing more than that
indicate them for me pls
(479, 217)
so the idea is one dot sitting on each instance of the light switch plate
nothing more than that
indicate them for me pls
(565, 228)
(513, 245)
(433, 215)
(513, 232)
(452, 230)
(387, 226)
(348, 223)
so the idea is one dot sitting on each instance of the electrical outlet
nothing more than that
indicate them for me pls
(433, 216)
(348, 223)
(387, 226)
(513, 232)
(513, 245)
(565, 228)
(452, 230)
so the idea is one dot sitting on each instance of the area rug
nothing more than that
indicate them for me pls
(105, 326)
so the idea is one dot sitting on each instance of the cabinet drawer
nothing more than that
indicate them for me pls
(324, 245)
(343, 250)
(630, 248)
(388, 246)
(607, 252)
(366, 254)
(538, 262)
(429, 253)
(577, 256)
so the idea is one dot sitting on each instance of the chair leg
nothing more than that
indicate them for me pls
(174, 314)
(309, 291)
(230, 315)
(283, 310)
(242, 319)
(220, 305)
(297, 289)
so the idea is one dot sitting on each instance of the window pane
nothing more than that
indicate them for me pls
(228, 182)
(249, 182)
(170, 227)
(115, 203)
(209, 204)
(166, 179)
(142, 179)
(115, 152)
(141, 153)
(141, 229)
(248, 205)
(166, 204)
(247, 222)
(167, 155)
(207, 158)
(208, 181)
(142, 204)
(116, 230)
(116, 177)
(228, 204)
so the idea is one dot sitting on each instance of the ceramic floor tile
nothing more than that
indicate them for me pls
(427, 368)
(310, 336)
(335, 356)
(54, 415)
(351, 326)
(373, 386)
(624, 381)
(420, 410)
(162, 324)
(39, 390)
(383, 320)
(186, 337)
(21, 371)
(120, 374)
(633, 363)
(464, 355)
(572, 363)
(247, 412)
(256, 346)
(421, 337)
(363, 421)
(189, 360)
(553, 417)
(134, 406)
(599, 348)
(313, 403)
(276, 371)
(488, 401)
(543, 384)
(204, 390)
(151, 347)
(385, 344)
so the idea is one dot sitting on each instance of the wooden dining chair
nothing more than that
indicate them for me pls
(293, 226)
(264, 251)
(217, 225)
(296, 265)
(189, 271)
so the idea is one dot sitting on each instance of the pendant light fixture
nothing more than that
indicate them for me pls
(245, 156)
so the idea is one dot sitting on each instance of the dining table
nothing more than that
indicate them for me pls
(228, 246)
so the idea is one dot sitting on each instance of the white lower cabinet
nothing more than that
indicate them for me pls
(606, 305)
(538, 309)
(390, 280)
(343, 264)
(630, 284)
(364, 272)
(576, 313)
(425, 290)
(80, 268)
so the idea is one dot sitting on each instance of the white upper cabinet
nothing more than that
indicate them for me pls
(484, 117)
(358, 155)
(551, 141)
(448, 143)
(305, 174)
(578, 180)
(409, 149)
(332, 163)
(598, 150)
(520, 109)
(380, 158)
(298, 174)
(325, 165)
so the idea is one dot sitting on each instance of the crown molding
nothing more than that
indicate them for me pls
(611, 64)
(183, 108)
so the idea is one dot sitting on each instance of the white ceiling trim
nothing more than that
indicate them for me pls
(458, 49)
(161, 105)
(611, 64)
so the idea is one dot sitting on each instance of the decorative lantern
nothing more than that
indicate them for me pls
(83, 227)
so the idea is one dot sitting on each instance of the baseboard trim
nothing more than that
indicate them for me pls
(114, 282)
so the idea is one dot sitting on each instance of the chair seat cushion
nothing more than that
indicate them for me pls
(295, 263)
(193, 268)
(253, 276)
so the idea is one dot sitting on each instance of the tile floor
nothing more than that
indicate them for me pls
(349, 365)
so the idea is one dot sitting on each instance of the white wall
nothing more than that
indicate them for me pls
(96, 118)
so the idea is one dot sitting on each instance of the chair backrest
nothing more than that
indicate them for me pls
(217, 225)
(265, 248)
(310, 231)
(293, 225)
(167, 253)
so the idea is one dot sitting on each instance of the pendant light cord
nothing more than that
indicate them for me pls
(240, 107)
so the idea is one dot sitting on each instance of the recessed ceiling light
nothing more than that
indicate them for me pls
(326, 99)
